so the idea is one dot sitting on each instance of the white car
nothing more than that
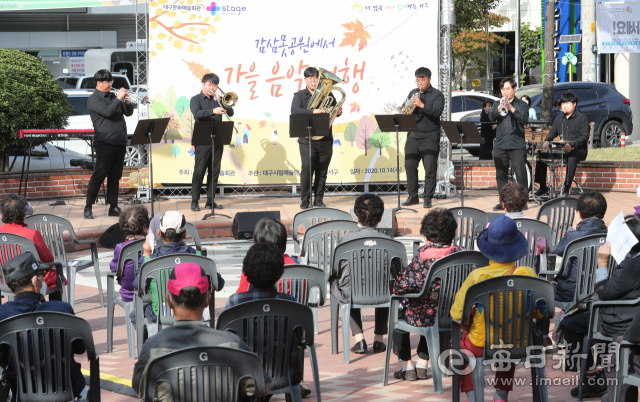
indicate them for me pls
(79, 119)
(465, 102)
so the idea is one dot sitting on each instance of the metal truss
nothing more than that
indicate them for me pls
(142, 69)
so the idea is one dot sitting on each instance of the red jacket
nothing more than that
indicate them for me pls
(21, 229)
(244, 283)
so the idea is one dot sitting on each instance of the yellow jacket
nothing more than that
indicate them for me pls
(494, 269)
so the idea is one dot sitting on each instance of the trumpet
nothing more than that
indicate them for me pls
(133, 98)
(228, 99)
(502, 109)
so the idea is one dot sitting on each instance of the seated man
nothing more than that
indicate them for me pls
(573, 126)
(514, 198)
(588, 219)
(26, 279)
(188, 296)
(369, 209)
(14, 210)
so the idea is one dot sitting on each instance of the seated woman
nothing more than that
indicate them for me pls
(439, 229)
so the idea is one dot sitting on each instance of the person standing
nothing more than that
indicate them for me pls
(206, 106)
(107, 112)
(487, 132)
(425, 144)
(509, 145)
(321, 149)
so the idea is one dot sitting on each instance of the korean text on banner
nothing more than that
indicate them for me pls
(618, 27)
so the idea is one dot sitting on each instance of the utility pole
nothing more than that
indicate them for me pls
(517, 44)
(489, 83)
(588, 27)
(548, 75)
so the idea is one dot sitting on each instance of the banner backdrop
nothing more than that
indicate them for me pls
(6, 5)
(618, 27)
(260, 50)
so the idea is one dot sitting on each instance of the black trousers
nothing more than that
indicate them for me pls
(574, 157)
(381, 321)
(425, 150)
(518, 158)
(109, 163)
(202, 165)
(574, 328)
(321, 153)
(402, 346)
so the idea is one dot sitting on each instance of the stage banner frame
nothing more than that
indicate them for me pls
(24, 5)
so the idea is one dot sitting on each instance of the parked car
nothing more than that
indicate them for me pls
(87, 81)
(45, 157)
(600, 102)
(464, 103)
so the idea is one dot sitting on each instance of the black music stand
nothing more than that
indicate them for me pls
(212, 133)
(462, 132)
(148, 132)
(397, 122)
(309, 125)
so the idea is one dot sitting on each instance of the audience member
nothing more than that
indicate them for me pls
(26, 279)
(514, 197)
(439, 229)
(268, 230)
(588, 219)
(134, 222)
(532, 111)
(369, 209)
(502, 244)
(14, 210)
(487, 131)
(188, 296)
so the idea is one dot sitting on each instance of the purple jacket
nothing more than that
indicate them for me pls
(128, 274)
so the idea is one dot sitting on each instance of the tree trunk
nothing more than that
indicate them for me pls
(547, 89)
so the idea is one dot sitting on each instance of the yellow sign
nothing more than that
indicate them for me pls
(476, 83)
(593, 27)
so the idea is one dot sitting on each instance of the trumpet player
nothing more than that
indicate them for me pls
(107, 111)
(425, 144)
(206, 106)
(510, 114)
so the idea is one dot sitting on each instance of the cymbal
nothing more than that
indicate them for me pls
(563, 142)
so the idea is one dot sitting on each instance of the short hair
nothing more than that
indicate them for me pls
(134, 220)
(568, 97)
(486, 103)
(369, 209)
(558, 102)
(633, 222)
(210, 77)
(170, 236)
(439, 226)
(190, 298)
(21, 284)
(423, 72)
(12, 208)
(102, 75)
(263, 265)
(311, 72)
(511, 82)
(592, 204)
(269, 230)
(527, 98)
(514, 196)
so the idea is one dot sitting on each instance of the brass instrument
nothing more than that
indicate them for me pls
(133, 98)
(321, 99)
(502, 109)
(409, 106)
(229, 99)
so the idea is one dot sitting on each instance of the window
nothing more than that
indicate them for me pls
(585, 94)
(474, 102)
(456, 104)
(602, 92)
(71, 83)
(88, 83)
(78, 105)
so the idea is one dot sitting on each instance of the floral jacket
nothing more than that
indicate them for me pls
(421, 312)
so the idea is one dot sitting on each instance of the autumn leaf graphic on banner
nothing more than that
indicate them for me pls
(357, 33)
(198, 70)
(262, 124)
(354, 107)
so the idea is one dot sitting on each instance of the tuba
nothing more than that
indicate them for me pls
(321, 99)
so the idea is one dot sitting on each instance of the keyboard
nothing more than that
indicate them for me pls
(54, 135)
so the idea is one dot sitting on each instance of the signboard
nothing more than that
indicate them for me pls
(570, 38)
(260, 50)
(9, 5)
(566, 23)
(618, 27)
(77, 60)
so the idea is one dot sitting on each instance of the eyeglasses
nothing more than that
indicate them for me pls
(111, 83)
(421, 81)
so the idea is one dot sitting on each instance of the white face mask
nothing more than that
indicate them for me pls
(43, 288)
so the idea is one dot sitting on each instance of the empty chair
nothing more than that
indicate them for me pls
(471, 222)
(192, 231)
(321, 239)
(558, 214)
(538, 235)
(313, 216)
(52, 228)
(623, 375)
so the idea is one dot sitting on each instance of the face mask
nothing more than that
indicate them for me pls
(43, 289)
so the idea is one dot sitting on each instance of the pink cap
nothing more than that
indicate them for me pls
(185, 275)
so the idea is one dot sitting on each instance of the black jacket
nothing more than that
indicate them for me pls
(624, 284)
(428, 118)
(107, 115)
(575, 128)
(487, 133)
(299, 106)
(510, 131)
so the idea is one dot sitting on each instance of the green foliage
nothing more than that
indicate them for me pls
(531, 48)
(380, 140)
(350, 132)
(182, 104)
(30, 98)
(158, 110)
(175, 151)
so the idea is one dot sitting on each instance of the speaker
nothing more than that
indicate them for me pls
(245, 222)
(112, 236)
(388, 224)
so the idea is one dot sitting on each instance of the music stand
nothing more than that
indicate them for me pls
(212, 133)
(309, 125)
(149, 132)
(397, 122)
(462, 132)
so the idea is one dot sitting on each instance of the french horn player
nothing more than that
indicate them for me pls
(316, 98)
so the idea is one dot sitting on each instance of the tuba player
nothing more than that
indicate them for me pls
(321, 149)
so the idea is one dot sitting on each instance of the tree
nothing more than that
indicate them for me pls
(350, 132)
(30, 98)
(365, 130)
(548, 75)
(175, 151)
(380, 140)
(182, 104)
(531, 48)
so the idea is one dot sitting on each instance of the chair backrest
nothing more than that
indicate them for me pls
(159, 268)
(266, 324)
(471, 222)
(41, 343)
(314, 216)
(585, 251)
(11, 246)
(370, 261)
(321, 239)
(512, 296)
(559, 215)
(192, 231)
(52, 229)
(213, 372)
(298, 279)
(533, 230)
(130, 251)
(451, 270)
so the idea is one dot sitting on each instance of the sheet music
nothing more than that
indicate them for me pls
(620, 237)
